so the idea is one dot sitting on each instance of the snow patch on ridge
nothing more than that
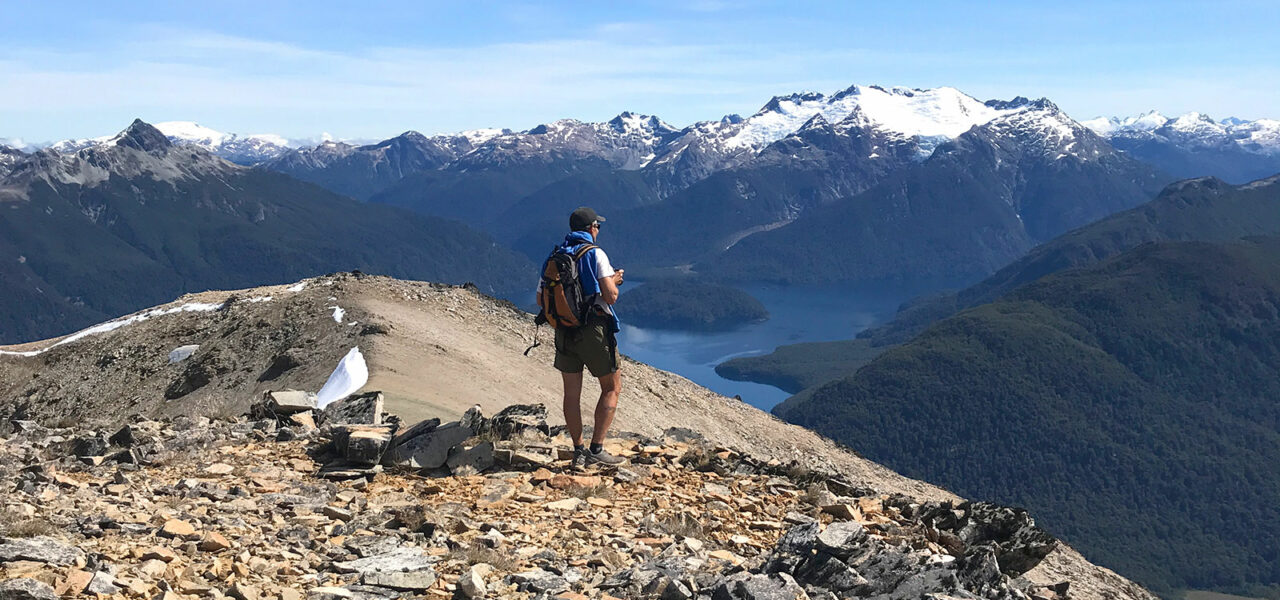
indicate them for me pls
(351, 374)
(117, 324)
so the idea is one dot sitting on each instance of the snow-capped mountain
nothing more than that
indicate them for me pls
(977, 202)
(139, 151)
(925, 117)
(244, 150)
(9, 156)
(1194, 144)
(628, 142)
(1040, 128)
(1195, 129)
(115, 226)
(361, 171)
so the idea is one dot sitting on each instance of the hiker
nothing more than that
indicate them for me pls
(581, 309)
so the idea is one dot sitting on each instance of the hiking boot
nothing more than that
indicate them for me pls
(579, 459)
(602, 458)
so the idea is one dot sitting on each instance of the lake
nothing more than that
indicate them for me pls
(796, 315)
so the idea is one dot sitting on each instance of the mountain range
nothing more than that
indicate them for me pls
(1195, 145)
(116, 226)
(977, 203)
(941, 188)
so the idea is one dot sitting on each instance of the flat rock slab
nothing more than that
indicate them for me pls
(39, 549)
(429, 450)
(410, 581)
(398, 560)
(287, 402)
(471, 460)
(361, 444)
(26, 589)
(362, 409)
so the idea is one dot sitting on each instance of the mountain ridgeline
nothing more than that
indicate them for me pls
(941, 188)
(1206, 209)
(1130, 404)
(119, 226)
(1194, 145)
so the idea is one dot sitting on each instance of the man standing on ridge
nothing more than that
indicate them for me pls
(593, 342)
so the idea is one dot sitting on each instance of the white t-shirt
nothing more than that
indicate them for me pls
(603, 269)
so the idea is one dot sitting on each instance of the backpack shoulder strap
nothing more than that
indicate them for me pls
(584, 250)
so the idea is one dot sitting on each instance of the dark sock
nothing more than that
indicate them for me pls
(596, 448)
(578, 447)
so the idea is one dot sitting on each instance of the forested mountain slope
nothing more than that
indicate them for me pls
(1131, 404)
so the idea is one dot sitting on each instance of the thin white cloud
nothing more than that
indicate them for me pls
(248, 84)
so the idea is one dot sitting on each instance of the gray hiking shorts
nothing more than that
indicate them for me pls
(591, 345)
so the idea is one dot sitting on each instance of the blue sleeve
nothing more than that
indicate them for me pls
(587, 272)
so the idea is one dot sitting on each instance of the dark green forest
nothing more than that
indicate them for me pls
(794, 367)
(1130, 405)
(688, 303)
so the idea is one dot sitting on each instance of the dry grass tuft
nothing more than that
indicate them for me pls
(681, 525)
(696, 458)
(811, 493)
(599, 490)
(15, 527)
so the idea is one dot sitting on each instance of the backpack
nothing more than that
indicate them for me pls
(560, 295)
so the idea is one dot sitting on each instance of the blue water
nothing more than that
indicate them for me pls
(796, 315)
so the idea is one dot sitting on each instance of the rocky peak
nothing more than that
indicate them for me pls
(141, 135)
(1022, 102)
(630, 123)
(412, 136)
(775, 103)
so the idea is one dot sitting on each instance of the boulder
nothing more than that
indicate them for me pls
(773, 586)
(842, 539)
(1018, 543)
(26, 589)
(474, 419)
(102, 583)
(520, 419)
(94, 444)
(288, 402)
(42, 549)
(409, 581)
(471, 584)
(361, 444)
(360, 409)
(403, 559)
(470, 460)
(430, 449)
(304, 421)
(124, 438)
(539, 581)
(182, 353)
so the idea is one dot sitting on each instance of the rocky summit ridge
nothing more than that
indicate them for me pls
(247, 509)
(115, 482)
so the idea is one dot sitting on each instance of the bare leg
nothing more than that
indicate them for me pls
(573, 405)
(609, 386)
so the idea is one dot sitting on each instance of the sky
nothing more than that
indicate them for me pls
(371, 70)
